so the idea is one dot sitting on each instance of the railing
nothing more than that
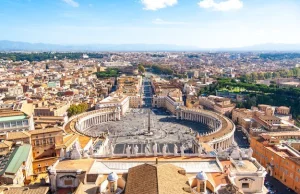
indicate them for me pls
(150, 155)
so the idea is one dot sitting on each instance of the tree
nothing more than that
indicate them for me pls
(77, 109)
(276, 75)
(254, 76)
(141, 68)
(268, 75)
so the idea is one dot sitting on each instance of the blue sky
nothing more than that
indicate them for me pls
(201, 23)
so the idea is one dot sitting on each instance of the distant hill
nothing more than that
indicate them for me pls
(6, 45)
(271, 47)
(25, 46)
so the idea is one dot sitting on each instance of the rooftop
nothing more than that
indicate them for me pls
(24, 190)
(17, 158)
(191, 165)
(161, 178)
(47, 130)
(83, 164)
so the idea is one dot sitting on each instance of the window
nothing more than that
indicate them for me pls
(245, 185)
(202, 187)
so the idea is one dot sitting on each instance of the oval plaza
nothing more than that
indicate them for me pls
(187, 129)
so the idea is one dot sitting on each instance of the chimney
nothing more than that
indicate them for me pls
(156, 161)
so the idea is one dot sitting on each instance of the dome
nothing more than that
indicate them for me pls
(112, 177)
(201, 176)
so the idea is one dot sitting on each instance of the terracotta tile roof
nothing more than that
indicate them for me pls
(84, 164)
(5, 144)
(217, 178)
(9, 113)
(155, 179)
(24, 190)
(67, 141)
(47, 130)
(18, 135)
(142, 179)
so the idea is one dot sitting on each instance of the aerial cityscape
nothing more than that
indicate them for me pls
(149, 97)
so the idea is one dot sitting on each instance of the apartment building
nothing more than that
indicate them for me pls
(51, 108)
(281, 160)
(43, 142)
(12, 121)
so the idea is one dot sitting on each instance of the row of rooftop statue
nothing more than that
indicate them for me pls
(148, 150)
(133, 151)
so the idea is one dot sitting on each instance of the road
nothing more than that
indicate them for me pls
(147, 93)
(276, 187)
(241, 138)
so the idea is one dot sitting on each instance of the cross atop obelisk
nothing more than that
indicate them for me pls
(149, 123)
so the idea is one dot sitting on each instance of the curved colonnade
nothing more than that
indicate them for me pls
(221, 135)
(80, 123)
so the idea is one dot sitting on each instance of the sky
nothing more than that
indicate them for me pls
(200, 23)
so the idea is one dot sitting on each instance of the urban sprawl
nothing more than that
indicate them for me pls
(149, 123)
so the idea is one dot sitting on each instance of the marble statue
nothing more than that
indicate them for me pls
(75, 154)
(85, 154)
(155, 149)
(128, 150)
(182, 150)
(199, 151)
(219, 149)
(107, 149)
(175, 150)
(112, 148)
(236, 153)
(62, 153)
(249, 153)
(136, 150)
(164, 150)
(91, 150)
(147, 150)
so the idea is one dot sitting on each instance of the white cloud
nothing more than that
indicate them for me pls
(159, 21)
(71, 2)
(157, 4)
(221, 6)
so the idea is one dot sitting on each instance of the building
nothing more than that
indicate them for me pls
(264, 118)
(280, 159)
(42, 122)
(161, 175)
(16, 165)
(12, 91)
(115, 100)
(43, 142)
(11, 121)
(17, 137)
(218, 104)
(24, 190)
(131, 87)
(51, 108)
(169, 100)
